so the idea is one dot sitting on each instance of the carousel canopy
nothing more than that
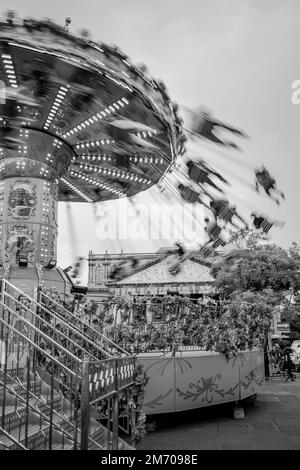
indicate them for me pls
(80, 112)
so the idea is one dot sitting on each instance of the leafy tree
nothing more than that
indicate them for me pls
(291, 315)
(257, 269)
(263, 274)
(247, 239)
(294, 251)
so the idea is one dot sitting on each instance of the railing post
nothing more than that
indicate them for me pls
(5, 332)
(51, 398)
(115, 410)
(84, 405)
(108, 423)
(2, 290)
(27, 397)
(133, 425)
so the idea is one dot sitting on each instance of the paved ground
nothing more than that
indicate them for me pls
(272, 423)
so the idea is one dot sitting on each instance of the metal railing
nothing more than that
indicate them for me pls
(87, 390)
(51, 321)
(41, 407)
(96, 336)
(9, 437)
(276, 365)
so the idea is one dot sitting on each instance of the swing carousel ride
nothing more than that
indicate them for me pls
(80, 123)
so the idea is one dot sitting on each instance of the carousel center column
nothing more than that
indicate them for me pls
(28, 226)
(29, 194)
(28, 221)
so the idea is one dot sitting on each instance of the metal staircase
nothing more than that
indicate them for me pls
(31, 415)
(59, 387)
(85, 328)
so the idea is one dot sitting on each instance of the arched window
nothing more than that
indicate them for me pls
(99, 274)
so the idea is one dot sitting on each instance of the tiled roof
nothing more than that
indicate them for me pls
(157, 271)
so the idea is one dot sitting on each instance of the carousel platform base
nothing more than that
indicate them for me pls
(195, 379)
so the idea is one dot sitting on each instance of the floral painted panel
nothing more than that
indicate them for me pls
(195, 380)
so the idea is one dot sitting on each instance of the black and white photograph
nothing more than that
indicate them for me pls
(149, 236)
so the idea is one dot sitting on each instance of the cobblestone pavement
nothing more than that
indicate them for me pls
(273, 423)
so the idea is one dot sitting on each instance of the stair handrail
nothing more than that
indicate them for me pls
(36, 346)
(43, 415)
(79, 362)
(91, 401)
(51, 313)
(49, 325)
(84, 323)
(31, 339)
(7, 434)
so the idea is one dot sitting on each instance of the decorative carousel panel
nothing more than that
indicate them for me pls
(160, 383)
(195, 379)
(252, 372)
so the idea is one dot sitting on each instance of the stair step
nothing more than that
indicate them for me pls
(124, 446)
(35, 387)
(99, 435)
(64, 425)
(13, 422)
(45, 407)
(34, 430)
(14, 418)
(12, 408)
(5, 447)
(37, 433)
(13, 374)
(67, 446)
